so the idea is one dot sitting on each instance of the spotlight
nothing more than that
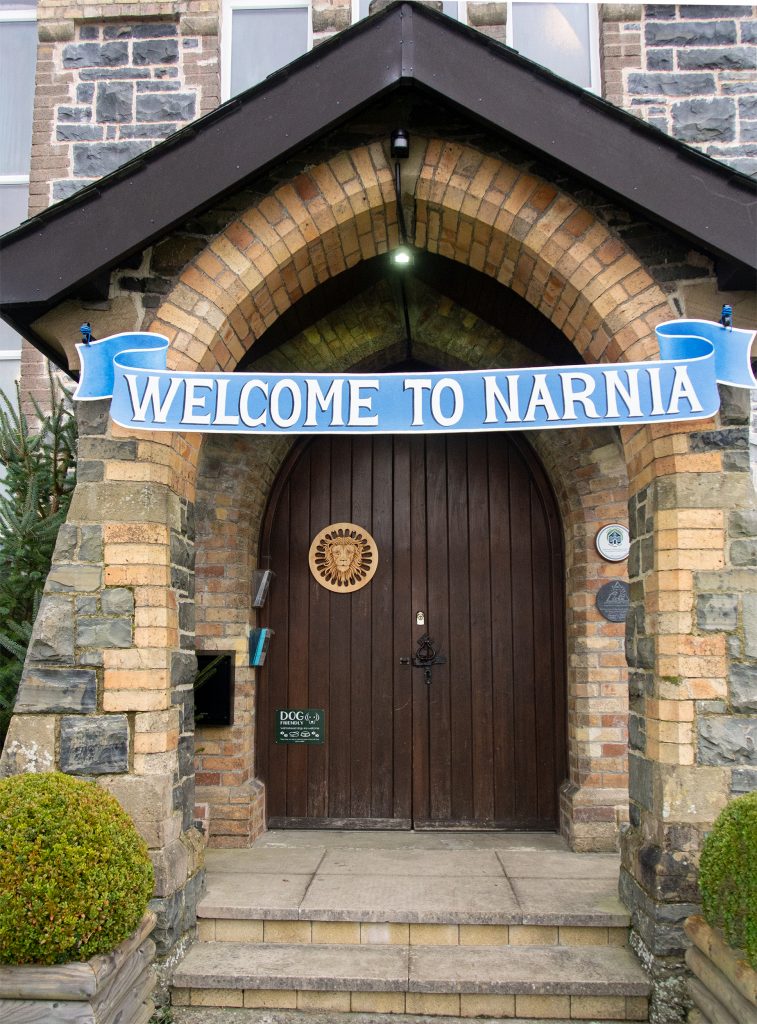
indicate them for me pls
(400, 144)
(401, 257)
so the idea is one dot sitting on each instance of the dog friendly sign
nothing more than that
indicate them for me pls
(696, 355)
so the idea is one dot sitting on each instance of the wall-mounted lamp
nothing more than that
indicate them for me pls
(399, 144)
(401, 257)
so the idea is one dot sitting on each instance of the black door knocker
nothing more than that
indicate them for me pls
(425, 656)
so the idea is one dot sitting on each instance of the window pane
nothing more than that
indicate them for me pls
(18, 57)
(265, 40)
(14, 202)
(556, 36)
(449, 7)
(364, 8)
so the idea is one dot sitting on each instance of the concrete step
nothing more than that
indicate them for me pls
(237, 1015)
(553, 982)
(222, 929)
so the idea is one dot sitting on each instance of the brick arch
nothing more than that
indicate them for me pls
(479, 210)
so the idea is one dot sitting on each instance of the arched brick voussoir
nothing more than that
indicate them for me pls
(543, 244)
(306, 231)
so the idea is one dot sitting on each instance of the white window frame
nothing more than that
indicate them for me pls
(227, 12)
(11, 14)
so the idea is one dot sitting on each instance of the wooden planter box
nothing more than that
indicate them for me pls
(113, 988)
(724, 986)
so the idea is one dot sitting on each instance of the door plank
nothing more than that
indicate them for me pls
(438, 625)
(339, 737)
(460, 543)
(420, 602)
(318, 635)
(360, 647)
(404, 605)
(503, 655)
(481, 663)
(383, 661)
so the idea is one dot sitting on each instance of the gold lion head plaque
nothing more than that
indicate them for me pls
(343, 557)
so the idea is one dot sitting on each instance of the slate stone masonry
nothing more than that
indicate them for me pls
(129, 92)
(696, 77)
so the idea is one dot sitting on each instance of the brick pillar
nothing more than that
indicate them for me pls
(107, 685)
(692, 650)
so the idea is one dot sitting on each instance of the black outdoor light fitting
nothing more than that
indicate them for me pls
(399, 144)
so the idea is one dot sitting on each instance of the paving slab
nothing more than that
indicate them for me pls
(584, 901)
(323, 968)
(473, 863)
(559, 864)
(542, 970)
(400, 840)
(253, 897)
(267, 860)
(414, 899)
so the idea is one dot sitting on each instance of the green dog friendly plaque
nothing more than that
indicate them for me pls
(300, 725)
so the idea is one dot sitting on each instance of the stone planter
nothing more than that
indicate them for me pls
(724, 986)
(113, 988)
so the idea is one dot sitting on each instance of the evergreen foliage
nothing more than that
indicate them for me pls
(728, 875)
(40, 463)
(75, 875)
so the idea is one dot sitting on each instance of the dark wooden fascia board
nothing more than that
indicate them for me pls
(49, 257)
(214, 157)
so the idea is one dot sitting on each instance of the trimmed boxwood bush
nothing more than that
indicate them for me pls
(75, 876)
(728, 875)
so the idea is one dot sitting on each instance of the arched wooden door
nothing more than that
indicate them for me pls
(468, 535)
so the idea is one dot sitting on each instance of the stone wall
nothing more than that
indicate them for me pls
(695, 76)
(106, 691)
(109, 90)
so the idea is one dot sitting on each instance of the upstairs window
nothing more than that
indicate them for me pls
(259, 37)
(561, 37)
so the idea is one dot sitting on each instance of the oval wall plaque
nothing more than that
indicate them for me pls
(614, 600)
(613, 542)
(343, 557)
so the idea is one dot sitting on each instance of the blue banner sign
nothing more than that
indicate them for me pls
(696, 355)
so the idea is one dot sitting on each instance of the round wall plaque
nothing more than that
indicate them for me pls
(613, 542)
(614, 600)
(343, 557)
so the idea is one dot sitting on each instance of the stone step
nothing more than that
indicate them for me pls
(238, 1015)
(475, 892)
(273, 930)
(553, 982)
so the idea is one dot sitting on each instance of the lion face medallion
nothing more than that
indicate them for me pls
(343, 557)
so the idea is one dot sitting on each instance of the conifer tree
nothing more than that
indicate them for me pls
(39, 460)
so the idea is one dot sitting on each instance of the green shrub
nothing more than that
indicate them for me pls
(728, 875)
(75, 876)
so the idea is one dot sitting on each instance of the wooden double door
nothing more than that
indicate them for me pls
(469, 552)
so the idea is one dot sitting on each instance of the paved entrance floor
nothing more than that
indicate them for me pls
(456, 878)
